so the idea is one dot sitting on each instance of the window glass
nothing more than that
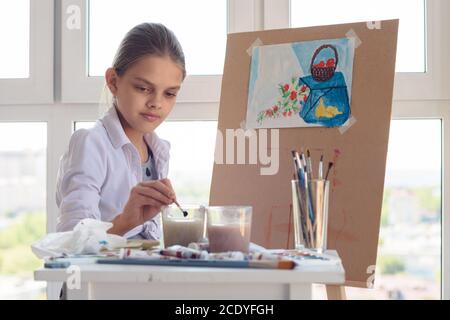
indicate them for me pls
(411, 39)
(200, 26)
(15, 39)
(23, 167)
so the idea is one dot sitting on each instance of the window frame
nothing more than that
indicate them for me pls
(38, 87)
(437, 109)
(416, 95)
(429, 85)
(249, 15)
(60, 119)
(78, 87)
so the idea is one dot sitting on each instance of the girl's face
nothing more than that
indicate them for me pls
(146, 92)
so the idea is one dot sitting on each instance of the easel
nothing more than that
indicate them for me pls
(335, 292)
(359, 151)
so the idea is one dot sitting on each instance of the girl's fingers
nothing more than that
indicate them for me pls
(146, 201)
(160, 186)
(155, 194)
(169, 185)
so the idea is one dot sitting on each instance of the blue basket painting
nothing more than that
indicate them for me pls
(327, 103)
(301, 84)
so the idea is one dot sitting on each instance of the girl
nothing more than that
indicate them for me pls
(117, 170)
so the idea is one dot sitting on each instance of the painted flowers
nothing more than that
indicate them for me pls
(291, 100)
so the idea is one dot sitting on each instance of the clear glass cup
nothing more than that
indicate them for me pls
(310, 211)
(181, 230)
(229, 228)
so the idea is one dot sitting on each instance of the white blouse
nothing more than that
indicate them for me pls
(98, 171)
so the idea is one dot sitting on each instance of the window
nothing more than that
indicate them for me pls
(422, 46)
(410, 244)
(22, 207)
(191, 157)
(420, 93)
(90, 50)
(409, 257)
(15, 53)
(83, 125)
(411, 40)
(26, 55)
(202, 33)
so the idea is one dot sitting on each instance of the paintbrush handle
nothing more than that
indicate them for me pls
(272, 264)
(179, 207)
(330, 165)
(281, 264)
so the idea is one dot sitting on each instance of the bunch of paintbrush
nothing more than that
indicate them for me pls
(307, 220)
(303, 166)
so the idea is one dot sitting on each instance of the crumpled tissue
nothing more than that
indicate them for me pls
(88, 237)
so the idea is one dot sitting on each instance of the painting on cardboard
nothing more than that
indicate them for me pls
(301, 84)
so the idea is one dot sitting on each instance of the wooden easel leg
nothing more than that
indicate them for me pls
(336, 292)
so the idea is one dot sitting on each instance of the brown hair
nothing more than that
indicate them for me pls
(148, 39)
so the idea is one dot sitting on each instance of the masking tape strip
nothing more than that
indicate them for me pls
(347, 125)
(255, 43)
(248, 132)
(371, 25)
(352, 34)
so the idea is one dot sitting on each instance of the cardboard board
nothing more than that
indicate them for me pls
(358, 151)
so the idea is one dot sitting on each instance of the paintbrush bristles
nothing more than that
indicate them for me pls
(185, 213)
(321, 167)
(296, 165)
(330, 165)
(299, 162)
(308, 163)
(303, 165)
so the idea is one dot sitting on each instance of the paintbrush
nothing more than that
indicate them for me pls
(330, 165)
(185, 213)
(299, 161)
(308, 161)
(300, 191)
(321, 167)
(303, 158)
(296, 163)
(163, 261)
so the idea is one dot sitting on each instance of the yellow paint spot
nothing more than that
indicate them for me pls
(323, 111)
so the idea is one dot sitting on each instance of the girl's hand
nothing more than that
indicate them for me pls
(144, 203)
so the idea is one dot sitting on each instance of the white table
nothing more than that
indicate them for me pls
(99, 281)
